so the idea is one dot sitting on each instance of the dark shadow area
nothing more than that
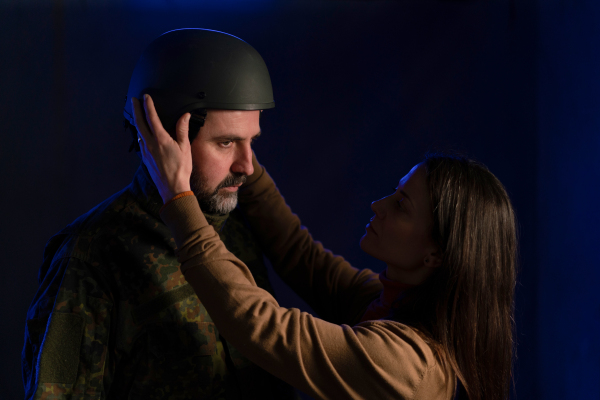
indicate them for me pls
(362, 89)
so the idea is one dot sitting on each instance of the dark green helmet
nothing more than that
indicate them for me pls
(190, 69)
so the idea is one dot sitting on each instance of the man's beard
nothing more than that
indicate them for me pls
(215, 202)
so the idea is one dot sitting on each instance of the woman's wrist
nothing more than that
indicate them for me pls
(168, 193)
(176, 197)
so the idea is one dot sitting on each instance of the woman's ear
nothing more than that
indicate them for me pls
(433, 259)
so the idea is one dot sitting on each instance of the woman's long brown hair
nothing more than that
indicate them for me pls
(467, 307)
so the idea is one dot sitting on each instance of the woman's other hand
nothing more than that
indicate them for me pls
(168, 160)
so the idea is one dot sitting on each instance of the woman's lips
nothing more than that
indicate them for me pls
(370, 228)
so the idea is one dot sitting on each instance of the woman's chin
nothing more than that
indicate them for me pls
(365, 244)
(362, 241)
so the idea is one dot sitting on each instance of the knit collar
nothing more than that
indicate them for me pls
(216, 220)
(392, 290)
(390, 297)
(148, 197)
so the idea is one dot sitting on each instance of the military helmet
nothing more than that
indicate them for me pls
(190, 69)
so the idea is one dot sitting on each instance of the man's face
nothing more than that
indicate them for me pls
(222, 158)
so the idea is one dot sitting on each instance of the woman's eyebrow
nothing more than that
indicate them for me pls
(406, 196)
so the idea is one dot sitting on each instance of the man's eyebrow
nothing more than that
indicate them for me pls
(232, 137)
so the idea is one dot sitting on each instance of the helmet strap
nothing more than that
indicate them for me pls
(197, 119)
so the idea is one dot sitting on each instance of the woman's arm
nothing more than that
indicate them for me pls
(338, 292)
(374, 360)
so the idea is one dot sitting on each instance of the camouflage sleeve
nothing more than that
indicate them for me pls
(67, 334)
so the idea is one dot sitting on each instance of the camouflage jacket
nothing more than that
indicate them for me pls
(114, 318)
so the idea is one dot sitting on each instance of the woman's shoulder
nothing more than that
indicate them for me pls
(395, 338)
(408, 352)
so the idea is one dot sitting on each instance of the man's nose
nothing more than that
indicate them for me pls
(243, 160)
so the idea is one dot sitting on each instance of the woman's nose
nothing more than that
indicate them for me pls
(377, 208)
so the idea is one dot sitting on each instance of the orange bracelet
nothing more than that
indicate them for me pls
(180, 195)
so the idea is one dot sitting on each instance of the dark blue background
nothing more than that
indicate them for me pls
(363, 89)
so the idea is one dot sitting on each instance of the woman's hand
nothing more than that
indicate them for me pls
(169, 161)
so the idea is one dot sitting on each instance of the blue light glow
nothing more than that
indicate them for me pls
(195, 4)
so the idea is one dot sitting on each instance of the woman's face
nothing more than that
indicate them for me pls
(399, 233)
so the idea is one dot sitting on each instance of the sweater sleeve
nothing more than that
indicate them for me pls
(338, 292)
(380, 359)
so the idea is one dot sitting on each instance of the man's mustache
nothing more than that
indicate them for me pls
(232, 180)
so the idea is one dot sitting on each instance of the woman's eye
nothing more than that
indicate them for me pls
(400, 202)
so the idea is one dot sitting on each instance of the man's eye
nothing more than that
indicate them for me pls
(227, 143)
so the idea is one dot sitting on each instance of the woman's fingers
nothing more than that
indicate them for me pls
(169, 161)
(156, 126)
(146, 120)
(182, 130)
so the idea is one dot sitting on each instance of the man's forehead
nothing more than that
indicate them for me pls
(232, 122)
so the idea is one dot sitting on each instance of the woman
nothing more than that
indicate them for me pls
(444, 316)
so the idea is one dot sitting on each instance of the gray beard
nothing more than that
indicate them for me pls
(214, 202)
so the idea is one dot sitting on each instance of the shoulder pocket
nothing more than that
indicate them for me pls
(74, 351)
(59, 358)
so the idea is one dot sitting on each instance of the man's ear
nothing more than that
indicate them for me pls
(433, 259)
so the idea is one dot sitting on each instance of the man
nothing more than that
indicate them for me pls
(114, 317)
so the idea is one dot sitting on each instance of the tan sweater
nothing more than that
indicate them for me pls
(330, 358)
